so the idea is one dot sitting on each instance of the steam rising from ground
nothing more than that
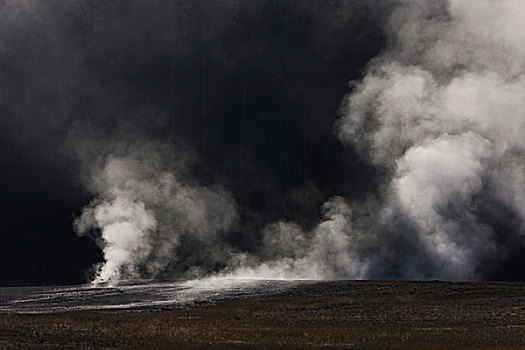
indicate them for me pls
(440, 112)
(327, 252)
(146, 204)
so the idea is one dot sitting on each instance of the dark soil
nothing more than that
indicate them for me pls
(346, 315)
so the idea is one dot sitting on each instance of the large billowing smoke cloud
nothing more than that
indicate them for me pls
(439, 114)
(442, 112)
(201, 133)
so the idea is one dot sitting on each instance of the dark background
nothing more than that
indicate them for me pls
(252, 86)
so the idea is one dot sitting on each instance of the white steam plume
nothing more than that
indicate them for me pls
(443, 112)
(146, 204)
(440, 114)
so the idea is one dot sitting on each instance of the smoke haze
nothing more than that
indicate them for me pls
(262, 139)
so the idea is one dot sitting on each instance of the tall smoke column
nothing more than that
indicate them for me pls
(147, 202)
(442, 112)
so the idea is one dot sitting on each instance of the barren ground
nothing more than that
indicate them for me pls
(343, 314)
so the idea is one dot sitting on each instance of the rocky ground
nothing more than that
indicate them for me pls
(343, 314)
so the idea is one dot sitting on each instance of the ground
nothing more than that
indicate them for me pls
(343, 314)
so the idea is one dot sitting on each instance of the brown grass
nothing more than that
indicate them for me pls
(338, 315)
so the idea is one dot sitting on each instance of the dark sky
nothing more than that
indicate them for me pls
(252, 86)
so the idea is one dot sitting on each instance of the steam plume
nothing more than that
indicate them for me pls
(327, 252)
(441, 111)
(146, 204)
(439, 114)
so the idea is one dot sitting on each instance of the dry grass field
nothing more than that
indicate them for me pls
(331, 315)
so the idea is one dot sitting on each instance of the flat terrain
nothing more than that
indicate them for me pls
(342, 314)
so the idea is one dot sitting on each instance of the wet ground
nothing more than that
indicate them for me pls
(136, 295)
(267, 315)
